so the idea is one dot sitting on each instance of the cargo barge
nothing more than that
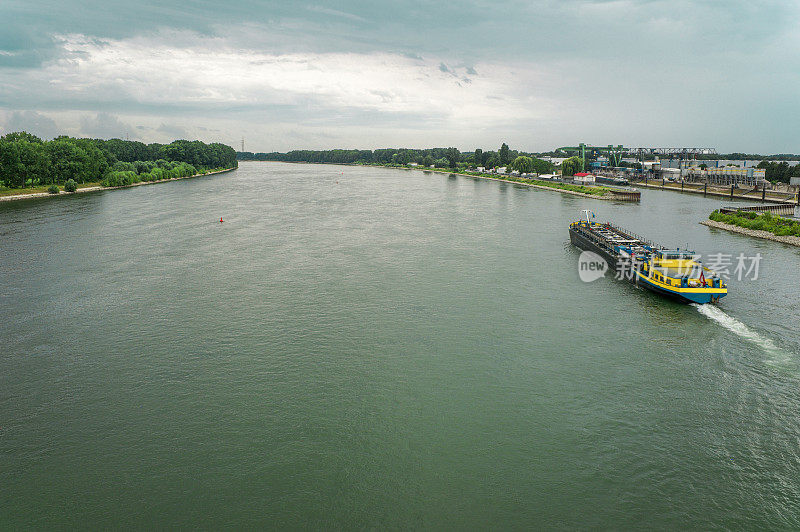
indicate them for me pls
(676, 274)
(617, 181)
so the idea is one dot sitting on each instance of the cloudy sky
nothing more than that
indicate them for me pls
(414, 73)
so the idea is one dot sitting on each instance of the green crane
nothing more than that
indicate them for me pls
(614, 153)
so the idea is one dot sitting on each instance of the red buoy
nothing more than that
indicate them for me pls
(220, 220)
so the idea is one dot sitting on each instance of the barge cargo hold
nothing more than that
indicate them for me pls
(618, 181)
(673, 273)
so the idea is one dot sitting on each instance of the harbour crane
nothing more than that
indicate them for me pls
(616, 153)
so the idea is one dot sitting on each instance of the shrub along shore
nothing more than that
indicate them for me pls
(757, 225)
(593, 191)
(31, 166)
(777, 225)
(40, 192)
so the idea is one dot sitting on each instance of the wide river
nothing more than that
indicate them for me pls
(373, 348)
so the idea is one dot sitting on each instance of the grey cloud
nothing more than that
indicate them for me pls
(33, 122)
(106, 126)
(472, 28)
(336, 13)
(704, 57)
(174, 131)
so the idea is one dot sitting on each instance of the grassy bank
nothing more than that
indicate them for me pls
(40, 190)
(581, 189)
(7, 194)
(776, 225)
(592, 190)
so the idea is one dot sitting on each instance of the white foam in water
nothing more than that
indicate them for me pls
(715, 313)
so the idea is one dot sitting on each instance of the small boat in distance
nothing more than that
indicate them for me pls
(677, 274)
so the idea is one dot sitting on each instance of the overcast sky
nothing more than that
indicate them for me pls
(412, 73)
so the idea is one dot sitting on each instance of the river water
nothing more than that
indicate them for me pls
(371, 348)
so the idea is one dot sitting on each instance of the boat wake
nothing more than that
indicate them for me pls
(716, 314)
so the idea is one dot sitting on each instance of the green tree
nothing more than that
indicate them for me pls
(22, 162)
(453, 157)
(571, 166)
(99, 160)
(21, 135)
(68, 161)
(504, 155)
(11, 168)
(540, 166)
(477, 158)
(522, 164)
(779, 172)
(27, 160)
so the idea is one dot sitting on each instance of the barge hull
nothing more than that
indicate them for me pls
(638, 278)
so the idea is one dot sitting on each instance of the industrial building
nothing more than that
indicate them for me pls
(673, 164)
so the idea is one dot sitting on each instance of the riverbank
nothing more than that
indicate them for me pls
(696, 188)
(39, 190)
(597, 191)
(766, 235)
(95, 187)
(607, 193)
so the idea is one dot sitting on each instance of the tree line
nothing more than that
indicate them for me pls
(438, 157)
(26, 160)
(738, 156)
(779, 172)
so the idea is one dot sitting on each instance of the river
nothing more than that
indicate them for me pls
(371, 348)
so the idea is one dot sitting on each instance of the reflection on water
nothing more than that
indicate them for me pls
(368, 348)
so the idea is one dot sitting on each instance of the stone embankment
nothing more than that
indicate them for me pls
(791, 240)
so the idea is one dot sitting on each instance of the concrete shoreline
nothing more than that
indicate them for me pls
(34, 195)
(719, 193)
(606, 197)
(766, 235)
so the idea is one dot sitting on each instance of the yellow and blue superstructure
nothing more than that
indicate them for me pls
(678, 274)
